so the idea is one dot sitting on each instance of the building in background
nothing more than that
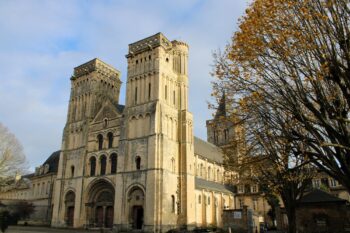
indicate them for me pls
(36, 188)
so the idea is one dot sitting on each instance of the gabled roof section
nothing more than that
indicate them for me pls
(208, 150)
(319, 196)
(108, 110)
(210, 185)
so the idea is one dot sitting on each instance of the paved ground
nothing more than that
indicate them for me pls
(27, 229)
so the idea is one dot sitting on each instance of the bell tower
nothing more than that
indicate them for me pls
(226, 132)
(92, 84)
(158, 131)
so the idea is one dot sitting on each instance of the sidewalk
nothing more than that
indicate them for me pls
(28, 229)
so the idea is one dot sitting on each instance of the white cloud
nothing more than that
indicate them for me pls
(42, 41)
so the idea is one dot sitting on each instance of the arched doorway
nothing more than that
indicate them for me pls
(100, 208)
(70, 203)
(136, 208)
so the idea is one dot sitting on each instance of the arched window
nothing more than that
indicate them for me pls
(100, 141)
(92, 166)
(72, 171)
(226, 134)
(209, 173)
(199, 199)
(138, 162)
(103, 163)
(110, 140)
(172, 203)
(113, 163)
(149, 91)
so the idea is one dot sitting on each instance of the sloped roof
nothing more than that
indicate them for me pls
(120, 108)
(319, 196)
(221, 110)
(210, 185)
(52, 161)
(208, 150)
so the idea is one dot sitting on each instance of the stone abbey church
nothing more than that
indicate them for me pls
(132, 166)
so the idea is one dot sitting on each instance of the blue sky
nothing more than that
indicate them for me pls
(42, 41)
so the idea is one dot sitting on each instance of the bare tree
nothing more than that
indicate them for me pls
(12, 158)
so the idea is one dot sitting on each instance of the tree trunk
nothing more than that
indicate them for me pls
(291, 214)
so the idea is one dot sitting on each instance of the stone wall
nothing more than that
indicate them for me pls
(325, 217)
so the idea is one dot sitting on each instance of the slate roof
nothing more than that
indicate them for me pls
(53, 161)
(120, 108)
(208, 150)
(210, 185)
(221, 110)
(319, 196)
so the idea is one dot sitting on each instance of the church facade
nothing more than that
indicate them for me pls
(137, 166)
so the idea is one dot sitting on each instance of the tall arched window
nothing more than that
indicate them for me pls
(92, 166)
(149, 91)
(113, 163)
(72, 171)
(103, 162)
(172, 203)
(110, 140)
(100, 141)
(209, 173)
(138, 162)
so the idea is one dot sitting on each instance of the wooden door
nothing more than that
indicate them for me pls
(109, 216)
(70, 216)
(138, 217)
(99, 216)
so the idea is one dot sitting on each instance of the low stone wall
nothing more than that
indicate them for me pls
(240, 221)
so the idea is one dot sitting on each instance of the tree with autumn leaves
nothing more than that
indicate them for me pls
(286, 75)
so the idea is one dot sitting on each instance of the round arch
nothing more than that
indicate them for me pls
(100, 203)
(136, 205)
(69, 201)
